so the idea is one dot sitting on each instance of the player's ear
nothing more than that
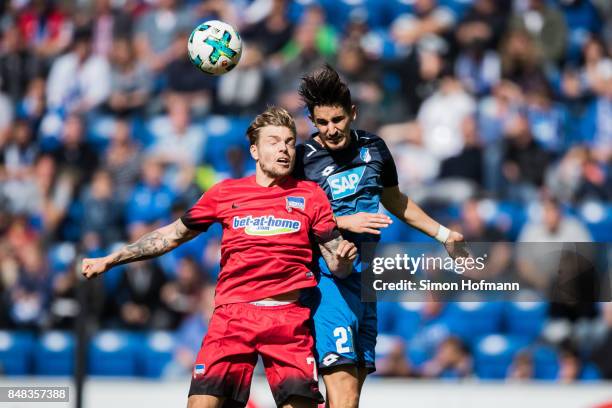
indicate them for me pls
(353, 112)
(254, 152)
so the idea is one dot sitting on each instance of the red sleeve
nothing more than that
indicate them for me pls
(204, 212)
(323, 224)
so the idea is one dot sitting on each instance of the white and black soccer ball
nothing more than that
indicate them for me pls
(214, 47)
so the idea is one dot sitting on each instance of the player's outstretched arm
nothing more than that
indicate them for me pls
(363, 222)
(339, 255)
(149, 246)
(407, 210)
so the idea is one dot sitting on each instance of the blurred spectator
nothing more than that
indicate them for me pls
(538, 264)
(545, 119)
(468, 164)
(522, 61)
(74, 156)
(156, 31)
(522, 367)
(131, 82)
(63, 306)
(598, 121)
(46, 27)
(18, 65)
(597, 65)
(138, 297)
(524, 161)
(313, 41)
(18, 157)
(419, 74)
(244, 91)
(475, 229)
(570, 366)
(123, 160)
(191, 332)
(394, 363)
(189, 83)
(452, 360)
(441, 116)
(478, 69)
(108, 24)
(151, 200)
(181, 296)
(269, 32)
(553, 226)
(595, 182)
(362, 78)
(601, 355)
(482, 26)
(33, 105)
(80, 80)
(177, 140)
(29, 295)
(101, 210)
(582, 19)
(428, 17)
(545, 24)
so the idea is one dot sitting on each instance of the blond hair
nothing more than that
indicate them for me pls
(272, 116)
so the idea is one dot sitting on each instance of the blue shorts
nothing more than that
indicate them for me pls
(344, 327)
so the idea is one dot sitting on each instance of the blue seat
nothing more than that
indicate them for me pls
(55, 354)
(156, 354)
(470, 320)
(525, 318)
(16, 351)
(113, 353)
(545, 362)
(493, 355)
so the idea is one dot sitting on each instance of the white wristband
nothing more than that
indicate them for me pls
(443, 234)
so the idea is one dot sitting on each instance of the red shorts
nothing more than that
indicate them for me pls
(237, 334)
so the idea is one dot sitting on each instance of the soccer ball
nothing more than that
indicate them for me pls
(214, 47)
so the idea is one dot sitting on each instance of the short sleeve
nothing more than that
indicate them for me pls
(389, 172)
(323, 225)
(204, 212)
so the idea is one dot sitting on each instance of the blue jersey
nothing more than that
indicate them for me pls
(353, 178)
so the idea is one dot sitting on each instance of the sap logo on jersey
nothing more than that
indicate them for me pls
(345, 184)
(265, 225)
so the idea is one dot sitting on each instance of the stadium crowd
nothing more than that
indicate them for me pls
(498, 114)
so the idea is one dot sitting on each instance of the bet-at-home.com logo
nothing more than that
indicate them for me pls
(266, 225)
(345, 184)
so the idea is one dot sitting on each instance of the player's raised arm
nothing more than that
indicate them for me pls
(339, 255)
(398, 204)
(149, 246)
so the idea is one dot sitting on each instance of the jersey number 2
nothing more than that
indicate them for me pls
(342, 335)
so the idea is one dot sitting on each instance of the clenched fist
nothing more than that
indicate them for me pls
(92, 267)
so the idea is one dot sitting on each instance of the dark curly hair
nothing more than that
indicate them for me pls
(324, 87)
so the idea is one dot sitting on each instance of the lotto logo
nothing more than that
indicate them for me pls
(345, 184)
(330, 359)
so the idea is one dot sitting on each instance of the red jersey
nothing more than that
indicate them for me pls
(266, 246)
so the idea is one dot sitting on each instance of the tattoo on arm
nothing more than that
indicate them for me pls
(335, 265)
(154, 244)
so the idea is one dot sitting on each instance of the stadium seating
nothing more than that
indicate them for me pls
(493, 355)
(525, 318)
(55, 354)
(113, 353)
(470, 320)
(156, 354)
(16, 352)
